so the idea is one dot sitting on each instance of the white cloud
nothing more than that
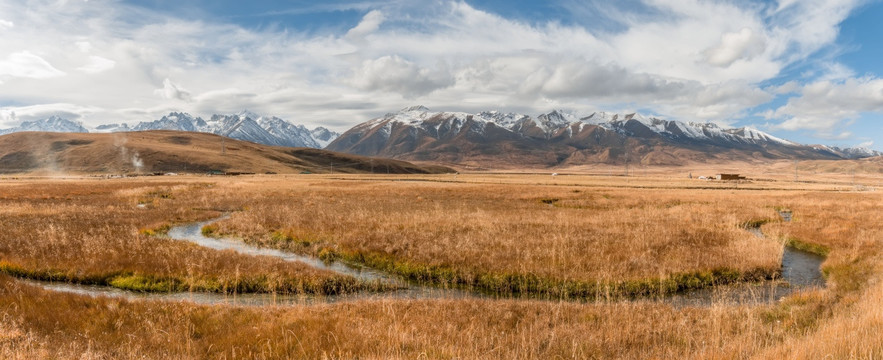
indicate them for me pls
(735, 46)
(13, 115)
(172, 91)
(392, 73)
(684, 59)
(84, 46)
(97, 64)
(832, 71)
(26, 65)
(824, 106)
(369, 24)
(786, 88)
(6, 24)
(784, 4)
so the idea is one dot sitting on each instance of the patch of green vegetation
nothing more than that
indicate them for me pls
(162, 230)
(798, 244)
(45, 275)
(286, 238)
(209, 230)
(535, 285)
(157, 284)
(756, 223)
(143, 283)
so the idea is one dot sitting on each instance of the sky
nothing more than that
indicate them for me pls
(806, 70)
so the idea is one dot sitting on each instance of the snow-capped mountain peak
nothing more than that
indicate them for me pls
(244, 125)
(51, 124)
(112, 128)
(555, 120)
(245, 113)
(417, 109)
(559, 138)
(757, 135)
(854, 152)
(323, 136)
(503, 120)
(631, 124)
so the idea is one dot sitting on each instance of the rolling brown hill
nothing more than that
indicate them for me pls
(175, 151)
(871, 165)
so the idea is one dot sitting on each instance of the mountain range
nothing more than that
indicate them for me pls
(51, 124)
(559, 138)
(245, 126)
(492, 138)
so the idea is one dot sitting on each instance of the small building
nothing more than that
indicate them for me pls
(729, 177)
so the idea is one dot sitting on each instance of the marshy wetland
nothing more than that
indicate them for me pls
(437, 266)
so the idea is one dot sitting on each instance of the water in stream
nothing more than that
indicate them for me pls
(799, 270)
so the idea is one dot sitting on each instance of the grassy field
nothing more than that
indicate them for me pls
(105, 233)
(554, 241)
(567, 236)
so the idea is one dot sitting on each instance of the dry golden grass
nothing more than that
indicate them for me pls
(387, 329)
(93, 232)
(492, 236)
(841, 321)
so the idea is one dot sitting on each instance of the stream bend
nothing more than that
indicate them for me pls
(800, 270)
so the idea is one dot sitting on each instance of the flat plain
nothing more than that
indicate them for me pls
(570, 266)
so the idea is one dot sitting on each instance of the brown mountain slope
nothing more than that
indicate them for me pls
(871, 165)
(174, 151)
(496, 140)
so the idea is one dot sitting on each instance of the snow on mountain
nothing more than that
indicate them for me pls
(323, 136)
(855, 152)
(51, 124)
(173, 121)
(559, 137)
(111, 128)
(555, 120)
(757, 135)
(242, 127)
(294, 135)
(422, 117)
(549, 123)
(628, 125)
(245, 125)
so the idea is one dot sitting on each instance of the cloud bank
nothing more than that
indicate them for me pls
(686, 59)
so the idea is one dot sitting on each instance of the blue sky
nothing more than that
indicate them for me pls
(805, 70)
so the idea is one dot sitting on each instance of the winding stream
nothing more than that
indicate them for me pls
(800, 270)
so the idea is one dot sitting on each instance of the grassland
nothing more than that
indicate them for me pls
(552, 241)
(560, 231)
(103, 233)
